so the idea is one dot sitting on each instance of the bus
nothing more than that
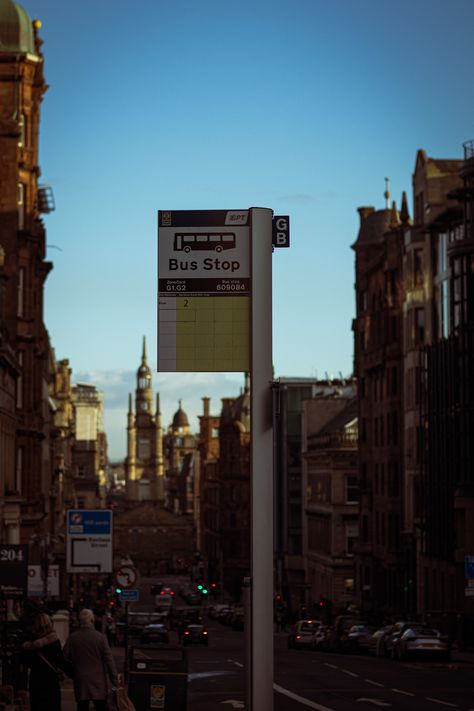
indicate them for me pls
(215, 241)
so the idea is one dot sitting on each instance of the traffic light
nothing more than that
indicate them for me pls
(118, 590)
(200, 587)
(204, 591)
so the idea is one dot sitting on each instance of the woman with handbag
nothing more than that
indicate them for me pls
(47, 666)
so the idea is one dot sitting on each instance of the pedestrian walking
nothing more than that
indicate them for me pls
(92, 663)
(44, 656)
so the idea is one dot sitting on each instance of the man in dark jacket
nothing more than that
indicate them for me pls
(93, 665)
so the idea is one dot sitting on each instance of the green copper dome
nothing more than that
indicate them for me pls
(16, 30)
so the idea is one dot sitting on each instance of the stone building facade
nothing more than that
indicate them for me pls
(27, 478)
(413, 360)
(331, 505)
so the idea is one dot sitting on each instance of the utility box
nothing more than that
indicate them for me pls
(158, 677)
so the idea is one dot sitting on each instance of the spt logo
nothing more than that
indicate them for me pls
(157, 696)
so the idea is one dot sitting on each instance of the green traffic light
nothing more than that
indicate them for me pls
(199, 587)
(204, 591)
(118, 590)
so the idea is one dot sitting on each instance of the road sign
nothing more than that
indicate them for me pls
(127, 576)
(13, 570)
(281, 231)
(36, 582)
(469, 566)
(89, 541)
(204, 289)
(130, 595)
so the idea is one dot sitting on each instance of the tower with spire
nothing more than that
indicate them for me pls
(144, 469)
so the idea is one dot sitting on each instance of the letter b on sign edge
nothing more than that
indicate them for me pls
(281, 231)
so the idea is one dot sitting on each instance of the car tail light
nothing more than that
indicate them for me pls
(298, 636)
(204, 632)
(186, 633)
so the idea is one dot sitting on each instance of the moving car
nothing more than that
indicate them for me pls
(195, 634)
(302, 634)
(321, 638)
(155, 634)
(419, 641)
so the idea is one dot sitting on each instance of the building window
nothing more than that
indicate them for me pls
(19, 383)
(418, 267)
(80, 471)
(352, 490)
(21, 205)
(215, 432)
(349, 586)
(20, 307)
(81, 502)
(419, 326)
(19, 469)
(22, 129)
(352, 534)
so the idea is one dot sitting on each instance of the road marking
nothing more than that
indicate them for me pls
(238, 664)
(333, 666)
(235, 704)
(376, 702)
(444, 703)
(346, 671)
(301, 699)
(405, 693)
(375, 683)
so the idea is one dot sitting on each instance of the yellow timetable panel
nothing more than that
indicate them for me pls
(204, 291)
(204, 333)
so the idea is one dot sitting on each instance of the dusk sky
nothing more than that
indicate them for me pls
(303, 107)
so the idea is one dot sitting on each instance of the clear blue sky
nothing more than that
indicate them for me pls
(302, 106)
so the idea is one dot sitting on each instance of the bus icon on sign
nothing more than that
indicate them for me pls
(210, 241)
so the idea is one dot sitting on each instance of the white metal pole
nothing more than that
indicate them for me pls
(261, 692)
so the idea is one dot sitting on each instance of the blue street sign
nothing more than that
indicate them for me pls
(90, 522)
(130, 595)
(469, 566)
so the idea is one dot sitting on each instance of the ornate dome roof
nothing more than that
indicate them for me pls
(180, 418)
(16, 29)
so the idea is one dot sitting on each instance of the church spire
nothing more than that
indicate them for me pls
(387, 194)
(144, 351)
(404, 214)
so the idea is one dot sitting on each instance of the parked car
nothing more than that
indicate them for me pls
(302, 634)
(420, 641)
(386, 641)
(337, 636)
(155, 634)
(374, 641)
(195, 634)
(358, 638)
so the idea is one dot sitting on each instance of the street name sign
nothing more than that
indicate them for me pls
(469, 566)
(204, 289)
(130, 595)
(89, 541)
(13, 570)
(36, 581)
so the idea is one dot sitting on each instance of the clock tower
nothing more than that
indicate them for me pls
(144, 463)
